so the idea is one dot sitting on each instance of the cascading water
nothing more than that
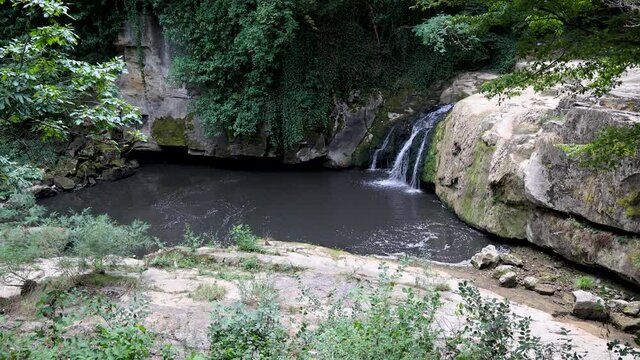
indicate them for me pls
(385, 143)
(399, 173)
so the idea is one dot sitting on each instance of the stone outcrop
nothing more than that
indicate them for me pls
(168, 123)
(500, 167)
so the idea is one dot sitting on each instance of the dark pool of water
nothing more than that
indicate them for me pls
(339, 209)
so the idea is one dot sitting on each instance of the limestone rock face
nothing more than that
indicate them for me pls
(500, 167)
(169, 123)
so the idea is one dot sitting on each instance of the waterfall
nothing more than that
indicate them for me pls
(374, 162)
(399, 173)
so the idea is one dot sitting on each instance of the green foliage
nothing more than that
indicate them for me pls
(378, 326)
(85, 241)
(607, 149)
(276, 68)
(92, 239)
(244, 238)
(237, 332)
(46, 91)
(563, 40)
(15, 178)
(117, 332)
(585, 283)
(493, 332)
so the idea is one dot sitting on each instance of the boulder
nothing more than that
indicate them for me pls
(589, 306)
(510, 259)
(617, 305)
(42, 191)
(64, 183)
(625, 323)
(632, 309)
(544, 289)
(113, 174)
(530, 282)
(66, 167)
(486, 258)
(501, 270)
(508, 280)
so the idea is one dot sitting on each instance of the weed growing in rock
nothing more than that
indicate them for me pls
(208, 292)
(585, 283)
(244, 238)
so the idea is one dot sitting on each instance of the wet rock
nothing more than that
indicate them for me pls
(508, 280)
(510, 259)
(625, 323)
(544, 289)
(588, 306)
(113, 174)
(64, 183)
(42, 191)
(66, 167)
(530, 282)
(617, 305)
(632, 309)
(134, 164)
(501, 270)
(486, 258)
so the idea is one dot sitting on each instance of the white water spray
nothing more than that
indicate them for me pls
(400, 169)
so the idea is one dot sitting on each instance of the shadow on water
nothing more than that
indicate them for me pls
(339, 209)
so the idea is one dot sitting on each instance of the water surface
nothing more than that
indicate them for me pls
(339, 209)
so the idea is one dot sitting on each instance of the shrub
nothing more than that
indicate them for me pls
(92, 239)
(374, 325)
(493, 332)
(585, 283)
(237, 332)
(117, 332)
(244, 238)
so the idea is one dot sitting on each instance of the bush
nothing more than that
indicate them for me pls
(116, 333)
(93, 239)
(244, 238)
(237, 332)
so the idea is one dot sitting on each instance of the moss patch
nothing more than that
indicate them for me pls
(430, 168)
(631, 203)
(168, 131)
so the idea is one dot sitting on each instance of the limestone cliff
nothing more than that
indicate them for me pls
(168, 123)
(499, 167)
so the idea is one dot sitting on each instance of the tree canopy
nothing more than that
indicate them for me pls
(587, 44)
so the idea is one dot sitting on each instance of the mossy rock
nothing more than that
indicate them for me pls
(167, 131)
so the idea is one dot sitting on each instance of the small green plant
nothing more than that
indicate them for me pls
(208, 292)
(441, 287)
(191, 239)
(250, 263)
(256, 291)
(585, 283)
(244, 238)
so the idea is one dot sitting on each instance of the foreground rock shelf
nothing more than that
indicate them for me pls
(181, 317)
